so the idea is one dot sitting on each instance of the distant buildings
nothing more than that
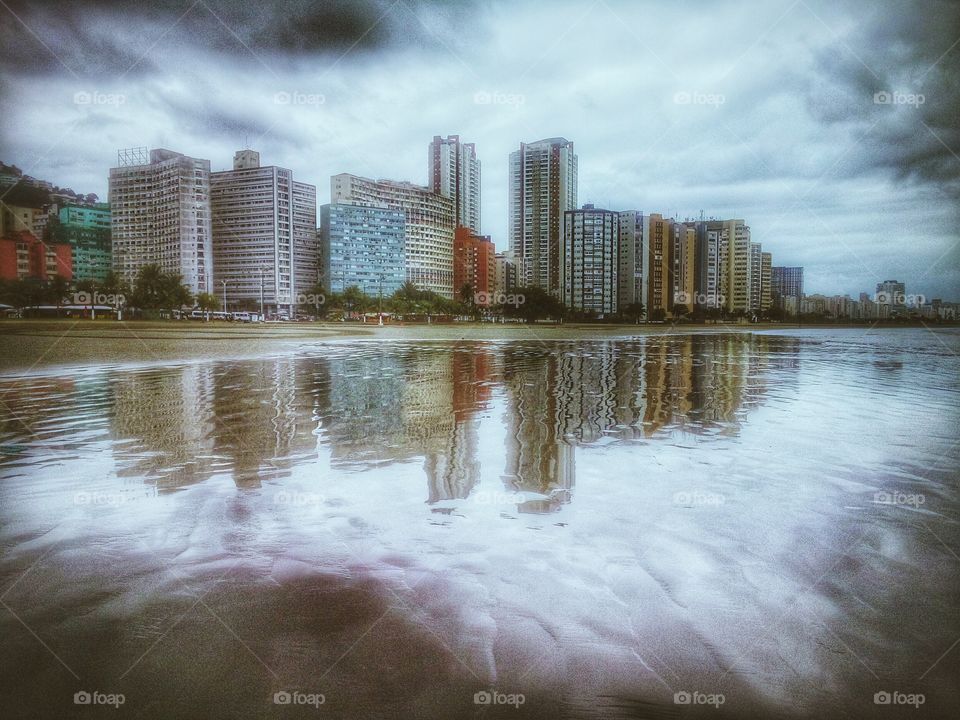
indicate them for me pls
(891, 293)
(786, 282)
(264, 235)
(454, 172)
(474, 262)
(86, 228)
(505, 272)
(363, 247)
(542, 187)
(23, 256)
(589, 260)
(160, 214)
(659, 243)
(430, 220)
(632, 267)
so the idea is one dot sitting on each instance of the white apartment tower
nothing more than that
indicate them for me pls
(430, 219)
(543, 186)
(160, 215)
(454, 172)
(264, 235)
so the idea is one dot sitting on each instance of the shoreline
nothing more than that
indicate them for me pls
(26, 345)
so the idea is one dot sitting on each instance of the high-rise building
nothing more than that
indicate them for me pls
(707, 280)
(160, 214)
(505, 273)
(429, 220)
(590, 260)
(659, 250)
(766, 297)
(454, 172)
(786, 282)
(632, 273)
(734, 258)
(474, 262)
(756, 277)
(682, 268)
(892, 293)
(362, 247)
(87, 230)
(543, 186)
(264, 235)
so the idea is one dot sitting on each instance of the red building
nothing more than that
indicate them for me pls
(473, 262)
(23, 256)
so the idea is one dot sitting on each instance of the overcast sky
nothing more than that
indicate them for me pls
(765, 111)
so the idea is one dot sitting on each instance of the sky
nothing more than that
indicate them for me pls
(831, 126)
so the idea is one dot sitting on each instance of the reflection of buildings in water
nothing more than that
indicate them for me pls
(165, 416)
(264, 412)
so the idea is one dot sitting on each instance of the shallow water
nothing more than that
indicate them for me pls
(767, 520)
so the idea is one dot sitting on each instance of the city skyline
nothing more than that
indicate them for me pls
(790, 136)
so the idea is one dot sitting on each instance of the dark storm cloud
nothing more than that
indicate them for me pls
(898, 51)
(109, 37)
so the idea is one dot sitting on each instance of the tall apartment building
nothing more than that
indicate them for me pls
(766, 296)
(735, 265)
(430, 220)
(454, 172)
(756, 277)
(590, 260)
(160, 214)
(264, 235)
(683, 257)
(542, 186)
(632, 278)
(362, 247)
(474, 262)
(659, 250)
(786, 282)
(892, 293)
(505, 273)
(86, 228)
(707, 280)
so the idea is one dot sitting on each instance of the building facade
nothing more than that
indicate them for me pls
(542, 187)
(659, 250)
(264, 235)
(160, 214)
(454, 172)
(429, 218)
(632, 272)
(24, 256)
(474, 263)
(86, 228)
(590, 261)
(786, 282)
(683, 258)
(505, 273)
(363, 247)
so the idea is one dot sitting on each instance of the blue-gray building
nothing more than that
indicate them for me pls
(362, 246)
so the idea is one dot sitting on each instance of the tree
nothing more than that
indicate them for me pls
(634, 311)
(208, 302)
(154, 289)
(658, 314)
(537, 304)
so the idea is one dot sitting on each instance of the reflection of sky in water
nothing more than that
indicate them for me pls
(666, 511)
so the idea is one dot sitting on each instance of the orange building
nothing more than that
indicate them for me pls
(23, 256)
(474, 261)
